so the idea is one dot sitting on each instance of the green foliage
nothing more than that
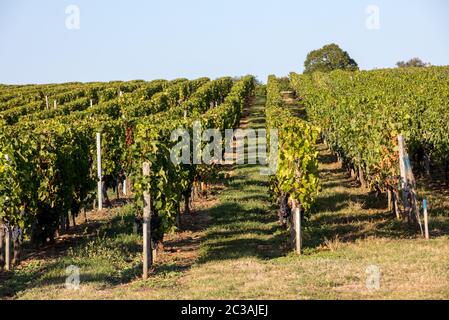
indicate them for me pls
(328, 58)
(167, 182)
(45, 174)
(297, 173)
(48, 158)
(362, 113)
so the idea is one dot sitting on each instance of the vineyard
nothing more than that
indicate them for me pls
(87, 170)
(362, 114)
(48, 154)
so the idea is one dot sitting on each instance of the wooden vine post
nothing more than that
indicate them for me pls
(7, 248)
(99, 171)
(46, 102)
(408, 184)
(2, 236)
(426, 220)
(147, 252)
(16, 234)
(296, 232)
(296, 213)
(125, 192)
(404, 184)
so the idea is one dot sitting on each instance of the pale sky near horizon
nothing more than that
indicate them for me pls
(126, 40)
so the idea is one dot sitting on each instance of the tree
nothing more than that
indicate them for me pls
(414, 62)
(328, 58)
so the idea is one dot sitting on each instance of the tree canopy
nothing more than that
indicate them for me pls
(328, 58)
(414, 62)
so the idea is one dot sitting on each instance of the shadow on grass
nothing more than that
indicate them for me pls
(13, 282)
(351, 229)
(341, 200)
(17, 282)
(347, 213)
(244, 223)
(237, 248)
(107, 258)
(241, 230)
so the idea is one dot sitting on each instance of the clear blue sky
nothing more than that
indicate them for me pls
(124, 40)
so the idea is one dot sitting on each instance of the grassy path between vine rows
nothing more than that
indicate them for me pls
(234, 248)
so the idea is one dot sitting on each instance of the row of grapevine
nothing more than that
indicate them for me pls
(19, 96)
(361, 115)
(113, 107)
(47, 166)
(168, 182)
(175, 94)
(78, 98)
(296, 177)
(14, 114)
